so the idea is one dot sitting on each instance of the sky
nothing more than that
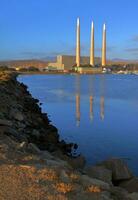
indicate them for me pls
(37, 29)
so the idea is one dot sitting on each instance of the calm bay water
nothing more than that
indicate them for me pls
(98, 112)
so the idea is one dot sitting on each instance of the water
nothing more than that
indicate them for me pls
(98, 112)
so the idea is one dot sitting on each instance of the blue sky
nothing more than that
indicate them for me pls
(41, 28)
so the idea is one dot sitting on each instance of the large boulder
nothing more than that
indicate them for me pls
(36, 133)
(77, 162)
(32, 148)
(132, 196)
(86, 181)
(56, 163)
(12, 133)
(118, 193)
(99, 172)
(18, 116)
(120, 170)
(130, 185)
(22, 146)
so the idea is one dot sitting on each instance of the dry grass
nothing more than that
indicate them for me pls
(57, 197)
(74, 176)
(93, 188)
(47, 174)
(64, 187)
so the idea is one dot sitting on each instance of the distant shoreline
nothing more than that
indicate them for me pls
(73, 73)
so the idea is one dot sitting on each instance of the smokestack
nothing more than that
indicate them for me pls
(92, 45)
(104, 47)
(78, 44)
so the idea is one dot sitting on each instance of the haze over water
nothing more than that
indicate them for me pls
(98, 112)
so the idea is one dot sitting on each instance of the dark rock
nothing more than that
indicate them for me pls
(99, 172)
(132, 196)
(17, 115)
(5, 122)
(78, 162)
(75, 146)
(32, 148)
(12, 133)
(118, 193)
(52, 128)
(36, 133)
(87, 181)
(119, 169)
(130, 185)
(66, 148)
(23, 146)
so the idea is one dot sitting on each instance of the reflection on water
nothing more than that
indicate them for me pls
(78, 100)
(78, 109)
(98, 112)
(102, 107)
(91, 108)
(91, 98)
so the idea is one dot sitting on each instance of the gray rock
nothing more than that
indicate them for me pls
(132, 196)
(23, 146)
(5, 122)
(118, 193)
(36, 133)
(99, 172)
(21, 125)
(18, 116)
(89, 196)
(105, 195)
(32, 148)
(2, 129)
(87, 181)
(119, 169)
(56, 163)
(12, 133)
(78, 162)
(130, 185)
(64, 176)
(47, 155)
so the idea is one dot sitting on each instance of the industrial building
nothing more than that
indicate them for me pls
(80, 63)
(67, 62)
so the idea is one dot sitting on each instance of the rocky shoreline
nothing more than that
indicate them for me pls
(36, 165)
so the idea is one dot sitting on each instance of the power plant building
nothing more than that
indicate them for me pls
(67, 62)
(80, 63)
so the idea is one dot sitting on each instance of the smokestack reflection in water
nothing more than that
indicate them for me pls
(91, 98)
(91, 108)
(78, 114)
(102, 103)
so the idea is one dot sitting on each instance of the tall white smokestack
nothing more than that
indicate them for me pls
(104, 47)
(78, 44)
(92, 45)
